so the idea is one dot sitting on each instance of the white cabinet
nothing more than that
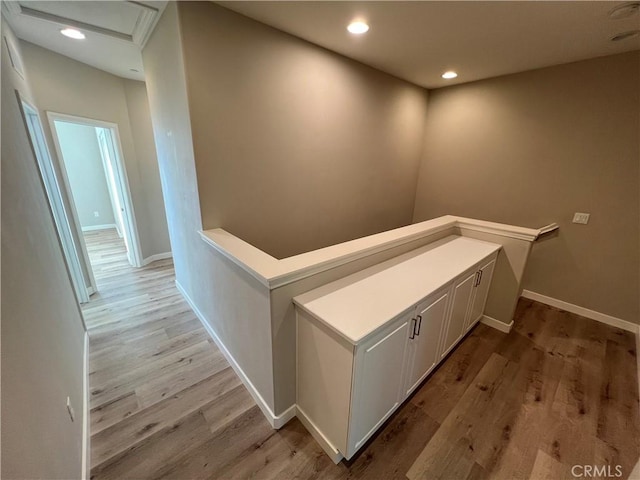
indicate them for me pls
(469, 299)
(377, 386)
(462, 292)
(346, 391)
(482, 283)
(422, 350)
(365, 342)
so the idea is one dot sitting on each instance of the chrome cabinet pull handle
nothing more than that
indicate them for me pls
(413, 329)
(419, 323)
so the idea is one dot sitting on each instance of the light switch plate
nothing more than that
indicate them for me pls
(582, 218)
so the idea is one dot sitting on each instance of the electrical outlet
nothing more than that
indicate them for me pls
(582, 218)
(72, 413)
(96, 214)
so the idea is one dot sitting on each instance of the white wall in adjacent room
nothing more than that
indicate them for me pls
(85, 171)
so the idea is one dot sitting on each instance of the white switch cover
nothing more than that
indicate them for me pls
(582, 218)
(96, 214)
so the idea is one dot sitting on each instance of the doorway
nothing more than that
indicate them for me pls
(70, 242)
(66, 205)
(94, 178)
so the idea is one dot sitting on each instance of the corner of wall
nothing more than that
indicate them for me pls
(421, 163)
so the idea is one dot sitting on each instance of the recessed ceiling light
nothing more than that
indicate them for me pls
(72, 33)
(625, 10)
(625, 35)
(358, 28)
(449, 75)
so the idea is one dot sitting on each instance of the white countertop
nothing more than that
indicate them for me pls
(358, 305)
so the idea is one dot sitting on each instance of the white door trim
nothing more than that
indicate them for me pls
(120, 172)
(59, 212)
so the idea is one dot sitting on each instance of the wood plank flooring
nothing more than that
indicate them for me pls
(559, 390)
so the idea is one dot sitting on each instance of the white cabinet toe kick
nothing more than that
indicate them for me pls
(367, 341)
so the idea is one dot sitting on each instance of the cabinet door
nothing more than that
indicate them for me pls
(424, 337)
(461, 298)
(377, 385)
(481, 292)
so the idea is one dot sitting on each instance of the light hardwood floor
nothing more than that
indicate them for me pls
(559, 390)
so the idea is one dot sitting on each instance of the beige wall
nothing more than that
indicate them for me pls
(63, 85)
(345, 146)
(42, 330)
(231, 301)
(244, 147)
(296, 147)
(534, 148)
(142, 132)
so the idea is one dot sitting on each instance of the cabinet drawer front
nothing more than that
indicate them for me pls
(377, 386)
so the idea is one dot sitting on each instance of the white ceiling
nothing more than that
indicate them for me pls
(418, 41)
(115, 31)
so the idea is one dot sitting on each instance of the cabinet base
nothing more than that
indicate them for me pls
(329, 449)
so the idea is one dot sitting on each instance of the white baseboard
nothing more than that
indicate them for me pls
(282, 419)
(319, 437)
(106, 226)
(276, 421)
(86, 437)
(497, 324)
(584, 312)
(156, 257)
(593, 315)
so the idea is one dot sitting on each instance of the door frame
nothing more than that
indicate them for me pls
(120, 174)
(59, 212)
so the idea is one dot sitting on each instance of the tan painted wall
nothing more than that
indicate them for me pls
(231, 301)
(63, 85)
(233, 127)
(42, 330)
(142, 132)
(533, 148)
(296, 147)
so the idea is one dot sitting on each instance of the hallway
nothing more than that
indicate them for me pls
(107, 254)
(557, 391)
(152, 364)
